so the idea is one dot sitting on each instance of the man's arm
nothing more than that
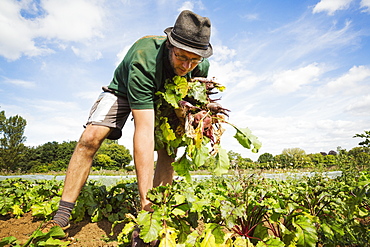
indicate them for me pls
(144, 152)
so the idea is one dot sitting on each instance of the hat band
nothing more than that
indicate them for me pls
(188, 42)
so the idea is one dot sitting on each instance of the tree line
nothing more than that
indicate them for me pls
(54, 156)
(51, 156)
(296, 158)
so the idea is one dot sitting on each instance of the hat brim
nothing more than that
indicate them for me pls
(203, 53)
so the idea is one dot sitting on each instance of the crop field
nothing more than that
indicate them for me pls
(219, 211)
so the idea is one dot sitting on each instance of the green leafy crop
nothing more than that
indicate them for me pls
(187, 117)
(220, 211)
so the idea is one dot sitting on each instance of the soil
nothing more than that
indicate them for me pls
(84, 233)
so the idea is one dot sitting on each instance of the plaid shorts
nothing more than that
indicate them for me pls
(112, 111)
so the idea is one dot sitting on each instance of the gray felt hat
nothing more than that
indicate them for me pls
(191, 33)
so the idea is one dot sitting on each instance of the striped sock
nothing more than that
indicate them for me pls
(63, 213)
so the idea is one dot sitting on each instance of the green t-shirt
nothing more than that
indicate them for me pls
(144, 71)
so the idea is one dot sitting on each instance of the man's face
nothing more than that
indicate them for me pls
(183, 61)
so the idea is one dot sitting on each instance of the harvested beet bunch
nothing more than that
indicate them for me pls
(187, 116)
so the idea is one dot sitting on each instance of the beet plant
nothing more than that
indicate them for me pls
(187, 116)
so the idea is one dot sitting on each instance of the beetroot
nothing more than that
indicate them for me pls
(217, 108)
(207, 120)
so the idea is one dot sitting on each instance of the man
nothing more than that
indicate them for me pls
(143, 71)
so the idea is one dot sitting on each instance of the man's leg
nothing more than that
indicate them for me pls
(164, 170)
(78, 170)
(81, 160)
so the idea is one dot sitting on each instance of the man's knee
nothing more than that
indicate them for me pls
(92, 137)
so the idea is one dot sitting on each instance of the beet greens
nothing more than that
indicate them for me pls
(187, 116)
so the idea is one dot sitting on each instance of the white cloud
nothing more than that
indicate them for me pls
(233, 75)
(251, 17)
(26, 32)
(87, 54)
(230, 72)
(349, 82)
(57, 129)
(306, 132)
(331, 6)
(16, 33)
(47, 106)
(71, 20)
(366, 5)
(292, 80)
(360, 106)
(21, 83)
(223, 53)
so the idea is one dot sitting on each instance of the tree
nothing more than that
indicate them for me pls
(46, 153)
(65, 151)
(294, 152)
(360, 156)
(329, 160)
(356, 150)
(296, 157)
(317, 159)
(11, 141)
(237, 161)
(266, 157)
(54, 156)
(366, 142)
(104, 161)
(119, 156)
(51, 156)
(282, 161)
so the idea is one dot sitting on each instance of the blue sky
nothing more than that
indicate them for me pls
(297, 72)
